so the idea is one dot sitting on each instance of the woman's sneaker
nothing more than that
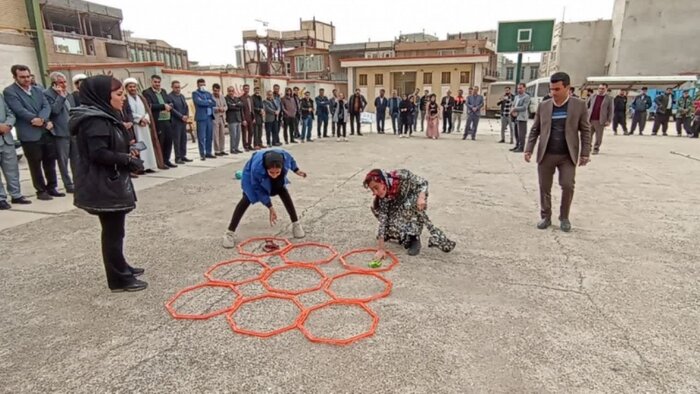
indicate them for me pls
(229, 241)
(297, 230)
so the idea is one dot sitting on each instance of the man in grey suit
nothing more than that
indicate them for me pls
(34, 131)
(8, 159)
(520, 111)
(57, 96)
(561, 125)
(475, 102)
(600, 114)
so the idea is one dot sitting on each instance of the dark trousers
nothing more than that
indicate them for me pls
(696, 127)
(63, 156)
(42, 155)
(355, 120)
(521, 133)
(258, 134)
(619, 118)
(407, 126)
(165, 136)
(290, 129)
(117, 269)
(341, 126)
(322, 123)
(685, 122)
(381, 118)
(204, 136)
(567, 175)
(270, 136)
(278, 189)
(660, 120)
(247, 134)
(638, 117)
(396, 121)
(333, 127)
(446, 121)
(179, 132)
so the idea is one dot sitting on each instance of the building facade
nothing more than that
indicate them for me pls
(152, 50)
(529, 71)
(17, 40)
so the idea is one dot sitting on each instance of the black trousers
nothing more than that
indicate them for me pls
(660, 120)
(42, 155)
(355, 120)
(179, 135)
(446, 121)
(165, 136)
(341, 126)
(258, 133)
(322, 123)
(638, 118)
(117, 269)
(619, 118)
(278, 189)
(290, 129)
(381, 118)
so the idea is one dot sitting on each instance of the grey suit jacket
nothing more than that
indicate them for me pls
(8, 118)
(606, 109)
(27, 108)
(577, 129)
(521, 106)
(59, 112)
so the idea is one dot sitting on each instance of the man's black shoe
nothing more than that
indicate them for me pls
(186, 160)
(414, 246)
(544, 223)
(210, 157)
(136, 271)
(171, 165)
(55, 193)
(136, 285)
(21, 200)
(179, 161)
(4, 205)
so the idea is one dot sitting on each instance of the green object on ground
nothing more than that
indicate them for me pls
(239, 174)
(375, 264)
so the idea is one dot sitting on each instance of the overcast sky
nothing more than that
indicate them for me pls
(210, 29)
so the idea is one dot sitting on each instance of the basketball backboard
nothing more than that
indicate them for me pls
(525, 36)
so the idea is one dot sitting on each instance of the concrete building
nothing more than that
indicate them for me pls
(528, 72)
(475, 35)
(147, 50)
(417, 37)
(366, 50)
(578, 48)
(653, 38)
(17, 40)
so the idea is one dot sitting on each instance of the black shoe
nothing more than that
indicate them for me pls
(136, 271)
(186, 160)
(149, 171)
(4, 205)
(464, 138)
(136, 285)
(202, 158)
(223, 153)
(210, 156)
(309, 141)
(70, 189)
(360, 134)
(294, 142)
(596, 151)
(414, 246)
(171, 165)
(544, 223)
(502, 141)
(565, 225)
(513, 149)
(239, 151)
(55, 193)
(21, 200)
(179, 161)
(518, 151)
(217, 154)
(277, 144)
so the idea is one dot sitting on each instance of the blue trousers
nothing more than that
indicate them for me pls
(306, 125)
(394, 120)
(381, 117)
(472, 124)
(205, 130)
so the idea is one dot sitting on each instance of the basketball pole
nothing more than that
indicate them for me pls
(518, 66)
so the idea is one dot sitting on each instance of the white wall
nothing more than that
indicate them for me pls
(14, 54)
(582, 49)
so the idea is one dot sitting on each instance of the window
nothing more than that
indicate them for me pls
(509, 73)
(67, 45)
(362, 80)
(427, 78)
(533, 72)
(312, 63)
(464, 77)
(379, 79)
(542, 89)
(522, 73)
(446, 77)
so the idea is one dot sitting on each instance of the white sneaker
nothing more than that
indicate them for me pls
(345, 139)
(297, 230)
(229, 239)
(339, 139)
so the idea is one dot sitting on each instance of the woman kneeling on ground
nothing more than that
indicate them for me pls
(400, 201)
(264, 176)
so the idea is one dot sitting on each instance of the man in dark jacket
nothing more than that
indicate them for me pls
(620, 112)
(181, 115)
(447, 103)
(664, 108)
(422, 102)
(380, 105)
(395, 111)
(234, 118)
(248, 119)
(356, 104)
(161, 107)
(640, 106)
(57, 96)
(259, 113)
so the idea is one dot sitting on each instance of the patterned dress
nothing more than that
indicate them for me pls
(399, 218)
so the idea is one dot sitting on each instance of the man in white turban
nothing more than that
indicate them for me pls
(142, 122)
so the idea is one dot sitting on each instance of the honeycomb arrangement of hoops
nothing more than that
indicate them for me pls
(284, 249)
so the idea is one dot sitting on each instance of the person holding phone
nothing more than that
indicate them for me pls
(265, 176)
(102, 183)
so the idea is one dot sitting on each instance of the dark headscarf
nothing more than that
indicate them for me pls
(97, 92)
(273, 159)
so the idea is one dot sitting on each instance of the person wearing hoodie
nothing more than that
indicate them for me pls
(102, 182)
(265, 176)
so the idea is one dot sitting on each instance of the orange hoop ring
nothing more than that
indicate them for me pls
(385, 293)
(322, 275)
(350, 267)
(184, 316)
(261, 255)
(264, 334)
(338, 341)
(327, 260)
(210, 272)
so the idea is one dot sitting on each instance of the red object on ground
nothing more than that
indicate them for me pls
(350, 267)
(244, 252)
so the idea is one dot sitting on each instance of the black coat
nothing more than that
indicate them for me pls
(156, 106)
(102, 181)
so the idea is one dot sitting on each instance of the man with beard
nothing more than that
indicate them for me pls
(181, 112)
(356, 104)
(161, 106)
(248, 119)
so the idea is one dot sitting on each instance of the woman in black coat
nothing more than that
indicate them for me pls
(102, 183)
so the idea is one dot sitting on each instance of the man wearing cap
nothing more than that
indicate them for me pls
(684, 114)
(640, 106)
(664, 108)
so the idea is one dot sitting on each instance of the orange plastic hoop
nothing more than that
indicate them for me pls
(350, 267)
(264, 334)
(171, 309)
(210, 272)
(382, 294)
(258, 239)
(327, 260)
(322, 282)
(338, 341)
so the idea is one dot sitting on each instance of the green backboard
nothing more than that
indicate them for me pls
(525, 36)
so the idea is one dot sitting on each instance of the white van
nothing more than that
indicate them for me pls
(493, 96)
(537, 89)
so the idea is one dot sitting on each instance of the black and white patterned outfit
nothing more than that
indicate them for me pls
(399, 218)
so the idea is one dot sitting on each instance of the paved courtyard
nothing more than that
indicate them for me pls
(613, 306)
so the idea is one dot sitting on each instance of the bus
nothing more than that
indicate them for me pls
(536, 89)
(493, 96)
